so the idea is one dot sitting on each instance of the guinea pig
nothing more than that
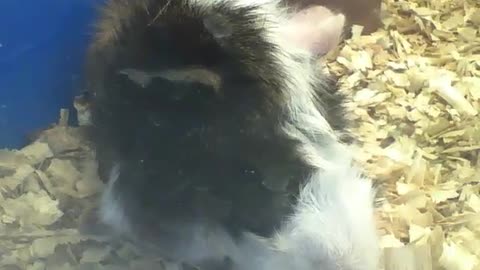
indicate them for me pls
(218, 136)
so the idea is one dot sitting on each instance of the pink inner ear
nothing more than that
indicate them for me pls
(315, 29)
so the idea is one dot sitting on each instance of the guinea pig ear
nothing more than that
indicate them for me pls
(315, 29)
(218, 26)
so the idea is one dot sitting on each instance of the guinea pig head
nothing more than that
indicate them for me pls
(209, 78)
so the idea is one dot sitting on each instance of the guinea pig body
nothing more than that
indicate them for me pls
(210, 120)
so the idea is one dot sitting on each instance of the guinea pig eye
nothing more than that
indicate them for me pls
(176, 84)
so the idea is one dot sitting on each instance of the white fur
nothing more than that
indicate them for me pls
(333, 224)
(332, 228)
(111, 207)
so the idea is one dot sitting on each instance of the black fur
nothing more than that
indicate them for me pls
(205, 155)
(332, 100)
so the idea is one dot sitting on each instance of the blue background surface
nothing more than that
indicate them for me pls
(42, 50)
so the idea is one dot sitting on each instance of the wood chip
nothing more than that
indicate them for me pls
(429, 70)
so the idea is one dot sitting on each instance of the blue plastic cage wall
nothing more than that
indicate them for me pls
(42, 49)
